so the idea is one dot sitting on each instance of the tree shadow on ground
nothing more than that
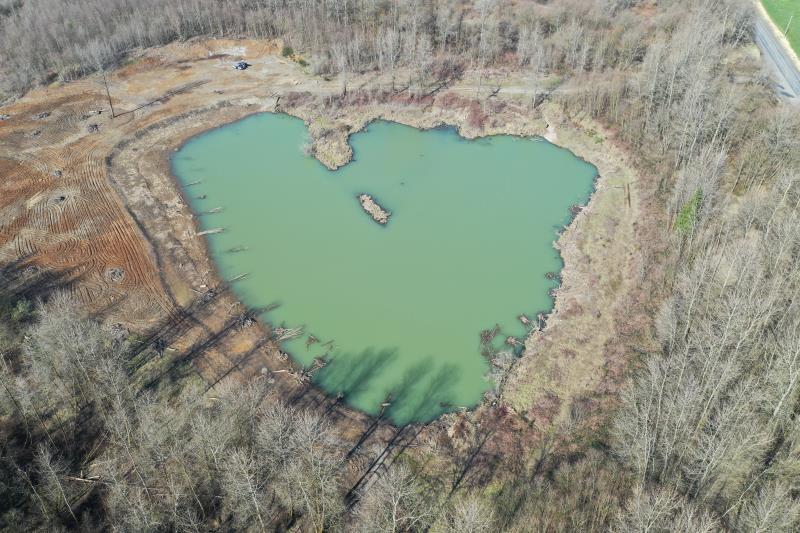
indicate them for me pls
(348, 374)
(417, 398)
(22, 280)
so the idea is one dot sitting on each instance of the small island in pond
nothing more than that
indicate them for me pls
(373, 209)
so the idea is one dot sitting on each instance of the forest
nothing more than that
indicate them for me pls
(703, 437)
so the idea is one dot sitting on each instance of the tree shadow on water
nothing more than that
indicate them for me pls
(423, 393)
(351, 374)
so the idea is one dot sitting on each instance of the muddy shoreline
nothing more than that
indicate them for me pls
(343, 154)
(568, 359)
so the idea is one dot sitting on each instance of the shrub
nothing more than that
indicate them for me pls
(688, 213)
(22, 311)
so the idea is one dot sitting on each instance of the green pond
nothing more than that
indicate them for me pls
(397, 309)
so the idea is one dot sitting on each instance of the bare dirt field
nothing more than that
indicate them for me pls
(89, 202)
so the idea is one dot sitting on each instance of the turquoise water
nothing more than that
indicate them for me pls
(397, 309)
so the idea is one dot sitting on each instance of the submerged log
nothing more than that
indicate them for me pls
(373, 209)
(239, 277)
(511, 341)
(319, 362)
(311, 340)
(281, 334)
(211, 231)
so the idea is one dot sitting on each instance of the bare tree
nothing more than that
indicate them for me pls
(51, 475)
(469, 515)
(245, 487)
(663, 511)
(395, 502)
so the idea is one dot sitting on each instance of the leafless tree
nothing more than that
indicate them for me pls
(395, 501)
(469, 515)
(663, 511)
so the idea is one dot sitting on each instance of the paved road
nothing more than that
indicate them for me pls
(787, 76)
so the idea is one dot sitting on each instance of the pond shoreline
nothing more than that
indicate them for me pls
(339, 152)
(240, 142)
(330, 131)
(147, 228)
